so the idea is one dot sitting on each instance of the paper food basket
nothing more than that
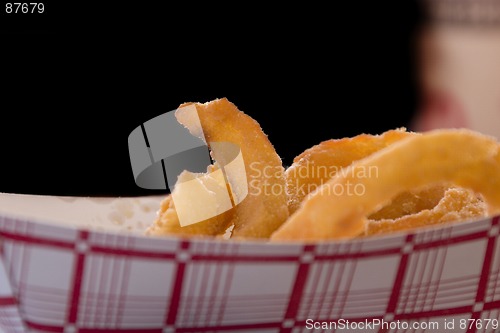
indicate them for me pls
(83, 265)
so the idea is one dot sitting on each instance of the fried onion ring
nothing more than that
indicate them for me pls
(167, 222)
(457, 204)
(318, 164)
(410, 202)
(263, 210)
(458, 156)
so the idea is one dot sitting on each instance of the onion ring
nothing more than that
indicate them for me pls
(265, 208)
(457, 204)
(318, 164)
(458, 156)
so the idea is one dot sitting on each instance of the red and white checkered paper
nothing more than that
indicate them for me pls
(62, 279)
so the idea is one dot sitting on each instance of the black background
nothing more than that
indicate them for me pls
(79, 78)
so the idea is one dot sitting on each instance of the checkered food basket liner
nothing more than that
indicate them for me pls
(57, 278)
